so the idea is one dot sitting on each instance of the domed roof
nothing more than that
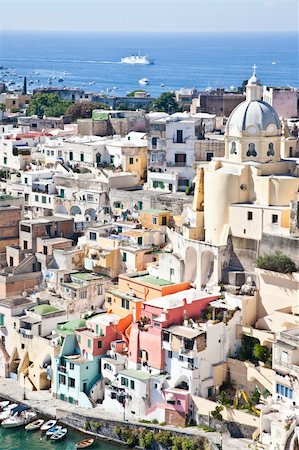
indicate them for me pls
(255, 113)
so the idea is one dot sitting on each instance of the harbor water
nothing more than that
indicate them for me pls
(19, 439)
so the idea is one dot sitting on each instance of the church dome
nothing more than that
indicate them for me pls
(254, 114)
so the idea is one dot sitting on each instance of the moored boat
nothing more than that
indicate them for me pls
(85, 443)
(47, 425)
(53, 430)
(7, 411)
(4, 404)
(19, 419)
(59, 435)
(34, 425)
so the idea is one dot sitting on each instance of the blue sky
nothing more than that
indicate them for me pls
(149, 15)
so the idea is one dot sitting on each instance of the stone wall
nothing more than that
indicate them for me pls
(287, 245)
(236, 430)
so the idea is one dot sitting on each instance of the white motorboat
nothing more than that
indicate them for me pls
(7, 411)
(143, 81)
(4, 404)
(19, 420)
(137, 59)
(50, 424)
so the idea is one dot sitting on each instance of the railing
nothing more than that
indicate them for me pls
(26, 333)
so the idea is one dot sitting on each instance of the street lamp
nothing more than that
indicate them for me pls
(24, 392)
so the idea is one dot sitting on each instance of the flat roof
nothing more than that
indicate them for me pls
(14, 302)
(105, 319)
(186, 332)
(176, 300)
(137, 374)
(150, 279)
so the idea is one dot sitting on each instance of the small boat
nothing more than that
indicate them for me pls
(50, 424)
(4, 404)
(59, 435)
(34, 425)
(137, 59)
(143, 81)
(60, 80)
(53, 430)
(85, 443)
(7, 411)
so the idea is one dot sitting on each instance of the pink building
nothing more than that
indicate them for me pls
(145, 345)
(100, 331)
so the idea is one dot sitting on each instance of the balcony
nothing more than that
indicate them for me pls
(26, 333)
(61, 369)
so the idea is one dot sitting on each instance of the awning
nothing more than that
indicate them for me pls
(19, 409)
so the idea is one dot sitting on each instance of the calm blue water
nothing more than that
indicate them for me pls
(181, 60)
(19, 439)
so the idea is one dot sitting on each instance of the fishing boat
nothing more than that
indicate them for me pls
(50, 424)
(19, 419)
(59, 435)
(85, 443)
(33, 426)
(53, 430)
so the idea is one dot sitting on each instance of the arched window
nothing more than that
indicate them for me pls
(271, 151)
(251, 150)
(233, 148)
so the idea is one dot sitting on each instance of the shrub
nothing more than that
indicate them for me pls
(164, 438)
(130, 436)
(260, 352)
(278, 262)
(146, 439)
(217, 413)
(117, 431)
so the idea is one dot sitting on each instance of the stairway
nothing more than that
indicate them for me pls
(290, 444)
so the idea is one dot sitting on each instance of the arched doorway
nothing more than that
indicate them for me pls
(90, 214)
(207, 267)
(75, 210)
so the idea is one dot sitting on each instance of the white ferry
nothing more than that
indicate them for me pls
(136, 59)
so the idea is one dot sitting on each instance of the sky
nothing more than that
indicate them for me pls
(149, 15)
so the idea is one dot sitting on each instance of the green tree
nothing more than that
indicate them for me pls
(83, 110)
(166, 103)
(278, 262)
(49, 105)
(260, 352)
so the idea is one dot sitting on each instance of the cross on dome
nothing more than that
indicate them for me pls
(254, 69)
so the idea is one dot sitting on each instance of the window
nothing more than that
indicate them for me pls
(154, 157)
(209, 156)
(89, 198)
(61, 379)
(71, 156)
(5, 160)
(274, 218)
(72, 365)
(89, 343)
(271, 151)
(124, 381)
(139, 240)
(163, 220)
(125, 303)
(44, 199)
(181, 358)
(107, 366)
(117, 205)
(180, 159)
(26, 197)
(72, 382)
(132, 384)
(45, 250)
(249, 215)
(251, 150)
(2, 320)
(109, 300)
(165, 336)
(99, 344)
(36, 198)
(155, 220)
(178, 402)
(83, 293)
(26, 180)
(62, 193)
(124, 257)
(139, 205)
(131, 161)
(100, 289)
(25, 244)
(169, 354)
(155, 184)
(179, 136)
(25, 228)
(233, 148)
(92, 236)
(119, 229)
(82, 157)
(284, 391)
(154, 142)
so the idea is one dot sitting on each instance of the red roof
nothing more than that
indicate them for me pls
(34, 134)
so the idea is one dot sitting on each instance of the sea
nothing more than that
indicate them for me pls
(19, 439)
(91, 61)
